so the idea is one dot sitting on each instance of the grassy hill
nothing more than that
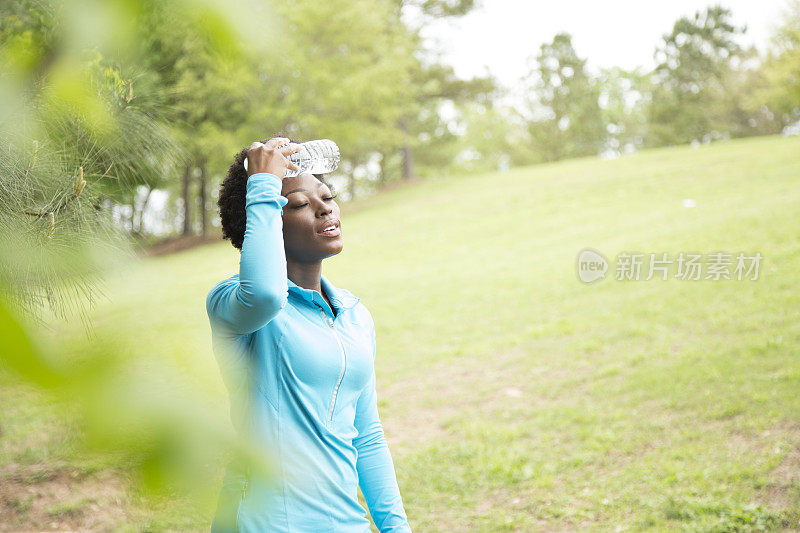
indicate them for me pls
(517, 398)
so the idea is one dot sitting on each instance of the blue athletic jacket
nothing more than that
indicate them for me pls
(301, 380)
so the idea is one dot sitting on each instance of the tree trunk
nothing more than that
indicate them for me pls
(203, 206)
(187, 202)
(408, 156)
(352, 183)
(132, 218)
(382, 172)
(139, 213)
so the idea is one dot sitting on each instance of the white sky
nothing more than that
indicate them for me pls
(502, 34)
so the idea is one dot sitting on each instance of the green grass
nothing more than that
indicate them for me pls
(517, 398)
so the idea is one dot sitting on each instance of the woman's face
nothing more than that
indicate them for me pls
(309, 210)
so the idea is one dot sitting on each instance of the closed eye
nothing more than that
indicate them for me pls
(331, 197)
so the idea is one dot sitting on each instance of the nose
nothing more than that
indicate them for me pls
(324, 209)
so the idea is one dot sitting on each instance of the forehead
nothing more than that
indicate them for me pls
(305, 182)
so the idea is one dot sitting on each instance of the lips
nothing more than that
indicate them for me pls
(330, 229)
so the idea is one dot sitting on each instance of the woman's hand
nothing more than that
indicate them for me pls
(271, 157)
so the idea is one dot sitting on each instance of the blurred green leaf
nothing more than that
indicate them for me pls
(20, 355)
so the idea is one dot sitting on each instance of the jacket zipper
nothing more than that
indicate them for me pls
(344, 361)
(243, 496)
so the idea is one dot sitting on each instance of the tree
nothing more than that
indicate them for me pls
(435, 121)
(428, 140)
(624, 100)
(75, 142)
(780, 89)
(208, 83)
(566, 119)
(345, 75)
(694, 62)
(495, 137)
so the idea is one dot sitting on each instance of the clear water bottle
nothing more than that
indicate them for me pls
(317, 157)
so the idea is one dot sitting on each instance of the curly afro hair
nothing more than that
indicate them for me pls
(231, 201)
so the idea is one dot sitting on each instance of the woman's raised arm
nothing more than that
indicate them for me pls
(248, 303)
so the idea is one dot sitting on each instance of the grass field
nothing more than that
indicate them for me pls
(515, 397)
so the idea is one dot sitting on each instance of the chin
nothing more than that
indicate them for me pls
(334, 249)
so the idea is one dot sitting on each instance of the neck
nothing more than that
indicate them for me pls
(306, 275)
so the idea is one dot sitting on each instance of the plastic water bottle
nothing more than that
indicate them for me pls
(317, 157)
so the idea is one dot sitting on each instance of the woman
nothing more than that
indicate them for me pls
(297, 355)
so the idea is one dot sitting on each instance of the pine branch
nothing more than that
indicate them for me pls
(80, 184)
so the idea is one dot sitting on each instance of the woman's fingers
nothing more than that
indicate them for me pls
(276, 142)
(290, 149)
(275, 151)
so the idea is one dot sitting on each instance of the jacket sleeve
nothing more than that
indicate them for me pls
(376, 475)
(245, 305)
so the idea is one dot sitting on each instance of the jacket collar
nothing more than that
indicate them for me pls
(341, 299)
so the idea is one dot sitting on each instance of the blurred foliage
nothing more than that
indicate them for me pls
(346, 73)
(692, 64)
(566, 121)
(624, 96)
(781, 84)
(76, 141)
(703, 82)
(155, 427)
(704, 87)
(80, 131)
(441, 8)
